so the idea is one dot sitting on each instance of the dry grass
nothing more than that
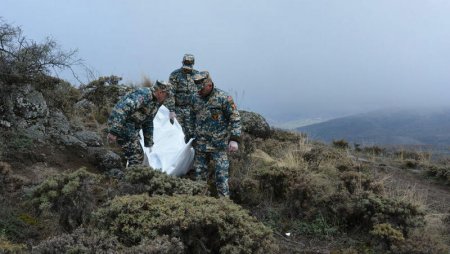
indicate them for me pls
(405, 191)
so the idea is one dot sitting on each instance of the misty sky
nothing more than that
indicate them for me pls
(284, 59)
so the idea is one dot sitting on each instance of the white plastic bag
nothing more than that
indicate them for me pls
(169, 153)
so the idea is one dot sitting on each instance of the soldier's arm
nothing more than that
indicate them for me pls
(170, 101)
(232, 114)
(122, 110)
(147, 129)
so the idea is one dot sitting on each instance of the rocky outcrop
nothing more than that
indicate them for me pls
(25, 110)
(254, 124)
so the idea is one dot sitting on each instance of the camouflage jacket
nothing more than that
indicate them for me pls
(134, 111)
(217, 121)
(183, 88)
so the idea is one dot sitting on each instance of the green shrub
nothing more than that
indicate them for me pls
(355, 181)
(365, 209)
(16, 225)
(86, 240)
(203, 224)
(441, 172)
(71, 195)
(419, 243)
(59, 94)
(275, 181)
(340, 144)
(386, 232)
(80, 241)
(409, 163)
(104, 92)
(318, 227)
(145, 179)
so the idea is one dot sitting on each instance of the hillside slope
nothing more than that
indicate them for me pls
(411, 127)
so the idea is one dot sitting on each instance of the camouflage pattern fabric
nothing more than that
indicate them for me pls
(217, 121)
(133, 112)
(183, 88)
(221, 166)
(131, 149)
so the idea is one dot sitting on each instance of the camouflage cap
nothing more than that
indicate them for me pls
(163, 85)
(188, 61)
(200, 77)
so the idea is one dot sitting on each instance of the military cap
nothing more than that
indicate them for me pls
(200, 77)
(163, 85)
(188, 61)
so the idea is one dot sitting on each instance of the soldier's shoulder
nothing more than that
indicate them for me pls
(143, 91)
(176, 72)
(221, 93)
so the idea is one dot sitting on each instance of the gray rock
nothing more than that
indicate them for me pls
(28, 103)
(84, 107)
(57, 124)
(254, 124)
(103, 158)
(91, 138)
(36, 131)
(72, 143)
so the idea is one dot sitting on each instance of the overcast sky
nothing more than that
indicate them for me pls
(284, 59)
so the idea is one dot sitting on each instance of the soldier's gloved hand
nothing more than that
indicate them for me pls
(172, 115)
(233, 146)
(111, 138)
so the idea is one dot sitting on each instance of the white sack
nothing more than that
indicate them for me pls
(169, 153)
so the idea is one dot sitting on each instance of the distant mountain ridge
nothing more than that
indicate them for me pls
(389, 127)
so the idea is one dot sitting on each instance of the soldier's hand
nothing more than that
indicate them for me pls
(111, 138)
(233, 146)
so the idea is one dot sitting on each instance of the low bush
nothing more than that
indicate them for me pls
(147, 180)
(16, 225)
(366, 209)
(441, 172)
(419, 243)
(87, 240)
(71, 195)
(204, 224)
(340, 144)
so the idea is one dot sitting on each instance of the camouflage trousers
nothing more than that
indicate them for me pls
(221, 167)
(185, 118)
(131, 149)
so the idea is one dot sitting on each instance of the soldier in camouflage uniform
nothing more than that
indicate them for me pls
(217, 130)
(133, 112)
(183, 87)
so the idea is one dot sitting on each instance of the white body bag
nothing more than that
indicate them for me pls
(169, 153)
